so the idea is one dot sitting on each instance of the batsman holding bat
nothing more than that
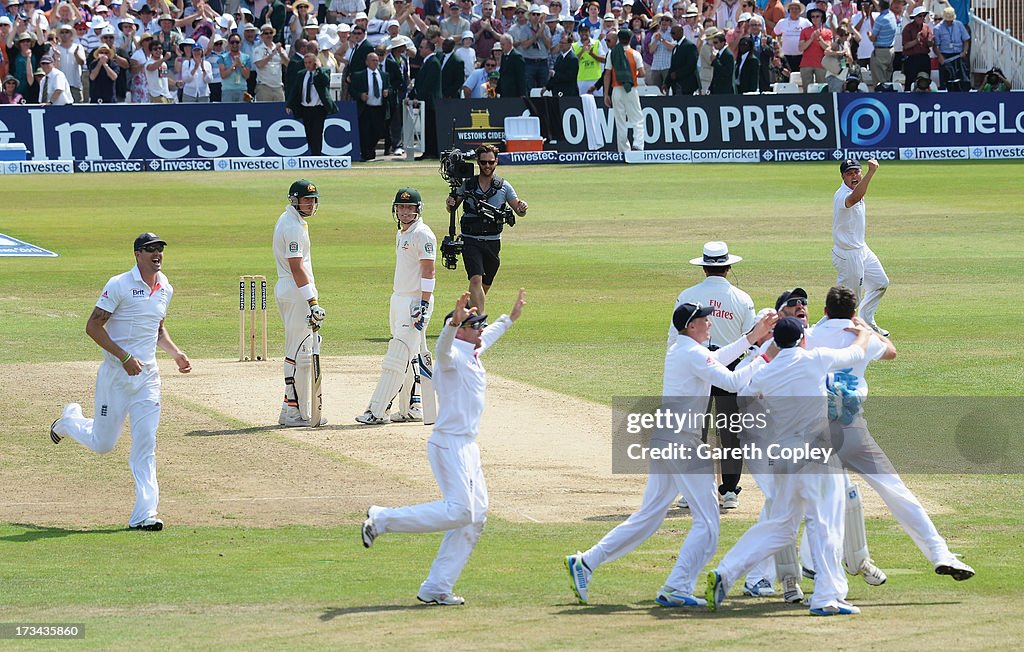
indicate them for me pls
(461, 384)
(411, 307)
(296, 298)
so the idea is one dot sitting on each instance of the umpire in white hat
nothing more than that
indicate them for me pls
(733, 316)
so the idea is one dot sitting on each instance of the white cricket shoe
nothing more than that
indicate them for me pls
(369, 531)
(151, 524)
(367, 419)
(761, 589)
(440, 599)
(873, 575)
(70, 411)
(415, 414)
(878, 329)
(729, 500)
(791, 591)
(579, 574)
(670, 598)
(290, 418)
(956, 569)
(841, 609)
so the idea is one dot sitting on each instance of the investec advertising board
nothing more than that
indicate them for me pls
(131, 132)
(934, 126)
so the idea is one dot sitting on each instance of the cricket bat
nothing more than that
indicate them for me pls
(317, 402)
(427, 384)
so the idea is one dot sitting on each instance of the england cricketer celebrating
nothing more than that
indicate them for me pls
(411, 307)
(296, 298)
(860, 453)
(790, 388)
(856, 265)
(461, 384)
(128, 324)
(690, 371)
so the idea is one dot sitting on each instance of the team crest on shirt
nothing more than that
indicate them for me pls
(293, 247)
(405, 246)
(429, 247)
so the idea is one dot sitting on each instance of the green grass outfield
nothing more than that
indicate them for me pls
(603, 254)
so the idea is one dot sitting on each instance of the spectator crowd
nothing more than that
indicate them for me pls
(386, 51)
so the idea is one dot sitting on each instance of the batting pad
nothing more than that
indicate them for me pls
(855, 540)
(393, 369)
(786, 563)
(408, 388)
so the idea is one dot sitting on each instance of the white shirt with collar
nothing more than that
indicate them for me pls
(734, 309)
(136, 311)
(291, 240)
(371, 99)
(691, 369)
(848, 224)
(461, 381)
(55, 81)
(832, 333)
(314, 95)
(792, 389)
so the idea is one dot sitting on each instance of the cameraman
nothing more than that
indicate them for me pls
(482, 235)
(995, 81)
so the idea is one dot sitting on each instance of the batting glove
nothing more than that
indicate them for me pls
(418, 313)
(316, 314)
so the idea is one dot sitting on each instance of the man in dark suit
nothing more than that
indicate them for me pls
(749, 67)
(512, 74)
(360, 48)
(310, 101)
(453, 71)
(722, 65)
(295, 65)
(567, 68)
(427, 89)
(371, 88)
(682, 71)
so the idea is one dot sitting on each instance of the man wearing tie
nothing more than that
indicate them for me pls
(371, 89)
(310, 101)
(428, 90)
(453, 71)
(567, 68)
(682, 72)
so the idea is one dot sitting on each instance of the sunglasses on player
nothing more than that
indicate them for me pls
(795, 301)
(152, 248)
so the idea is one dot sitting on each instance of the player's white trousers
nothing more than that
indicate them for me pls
(819, 495)
(119, 395)
(862, 454)
(628, 115)
(765, 479)
(298, 344)
(664, 483)
(462, 510)
(861, 271)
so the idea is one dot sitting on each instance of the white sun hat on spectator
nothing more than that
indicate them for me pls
(97, 22)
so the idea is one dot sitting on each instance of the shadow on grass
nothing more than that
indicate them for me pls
(335, 612)
(731, 609)
(38, 533)
(618, 518)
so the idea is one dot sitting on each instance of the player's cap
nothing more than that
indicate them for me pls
(716, 254)
(148, 239)
(849, 164)
(470, 321)
(687, 312)
(788, 332)
(408, 196)
(789, 294)
(303, 188)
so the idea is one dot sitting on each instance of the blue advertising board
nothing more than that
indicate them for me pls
(130, 132)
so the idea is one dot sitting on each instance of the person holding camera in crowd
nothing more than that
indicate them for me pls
(952, 49)
(995, 81)
(482, 227)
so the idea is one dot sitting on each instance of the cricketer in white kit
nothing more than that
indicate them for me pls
(860, 452)
(461, 384)
(690, 371)
(411, 307)
(128, 324)
(856, 265)
(296, 297)
(792, 391)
